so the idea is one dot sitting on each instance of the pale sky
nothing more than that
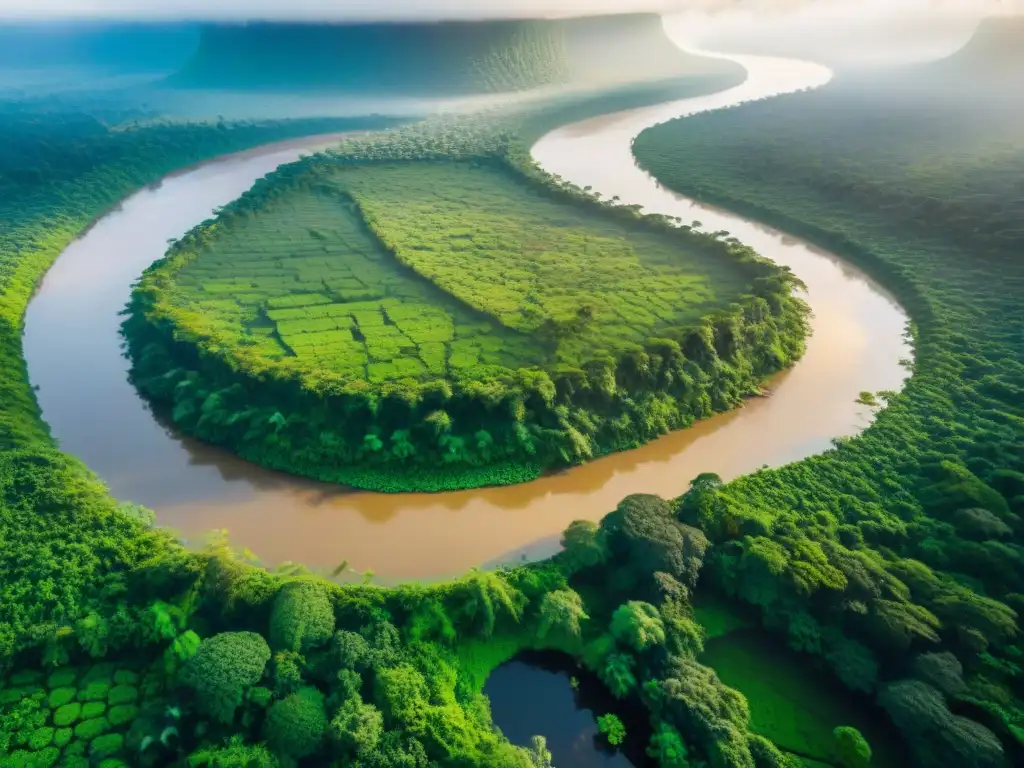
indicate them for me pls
(370, 9)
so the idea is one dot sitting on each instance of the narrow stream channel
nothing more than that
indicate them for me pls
(73, 352)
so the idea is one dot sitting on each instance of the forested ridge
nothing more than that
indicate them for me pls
(447, 324)
(440, 58)
(907, 539)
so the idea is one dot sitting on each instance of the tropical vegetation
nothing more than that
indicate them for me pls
(890, 564)
(895, 557)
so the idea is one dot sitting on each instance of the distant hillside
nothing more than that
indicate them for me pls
(117, 48)
(435, 58)
(995, 51)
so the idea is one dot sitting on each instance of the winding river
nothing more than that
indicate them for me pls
(74, 358)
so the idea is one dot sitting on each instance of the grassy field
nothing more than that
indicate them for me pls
(481, 276)
(305, 279)
(791, 702)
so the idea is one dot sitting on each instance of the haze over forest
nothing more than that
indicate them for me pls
(444, 9)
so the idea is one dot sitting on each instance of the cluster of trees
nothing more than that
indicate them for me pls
(587, 393)
(271, 670)
(896, 557)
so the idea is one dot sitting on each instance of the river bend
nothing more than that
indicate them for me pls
(74, 357)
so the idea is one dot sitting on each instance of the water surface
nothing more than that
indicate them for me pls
(534, 695)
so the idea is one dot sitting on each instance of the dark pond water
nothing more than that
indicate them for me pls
(533, 695)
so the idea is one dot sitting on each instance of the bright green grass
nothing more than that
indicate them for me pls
(522, 259)
(481, 266)
(791, 702)
(717, 617)
(306, 279)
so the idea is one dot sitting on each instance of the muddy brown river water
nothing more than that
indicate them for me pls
(74, 357)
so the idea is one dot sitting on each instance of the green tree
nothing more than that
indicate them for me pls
(643, 537)
(302, 617)
(936, 735)
(482, 598)
(295, 726)
(402, 694)
(668, 748)
(852, 749)
(223, 667)
(357, 727)
(582, 545)
(288, 670)
(941, 670)
(638, 625)
(561, 611)
(540, 755)
(617, 674)
(612, 729)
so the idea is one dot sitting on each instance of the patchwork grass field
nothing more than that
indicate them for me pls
(423, 270)
(306, 279)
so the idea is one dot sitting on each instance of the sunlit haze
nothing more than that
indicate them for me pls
(373, 9)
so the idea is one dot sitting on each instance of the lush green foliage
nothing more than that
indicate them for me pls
(302, 617)
(428, 325)
(78, 727)
(905, 540)
(223, 668)
(852, 748)
(612, 729)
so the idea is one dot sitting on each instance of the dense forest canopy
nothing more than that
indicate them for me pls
(436, 58)
(921, 185)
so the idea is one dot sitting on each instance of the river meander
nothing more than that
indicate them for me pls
(73, 352)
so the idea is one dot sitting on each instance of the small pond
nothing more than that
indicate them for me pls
(533, 695)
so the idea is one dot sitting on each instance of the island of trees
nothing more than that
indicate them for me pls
(426, 310)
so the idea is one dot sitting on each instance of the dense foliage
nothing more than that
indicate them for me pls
(426, 325)
(890, 562)
(383, 677)
(906, 540)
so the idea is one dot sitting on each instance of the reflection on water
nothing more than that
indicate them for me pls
(73, 351)
(533, 695)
